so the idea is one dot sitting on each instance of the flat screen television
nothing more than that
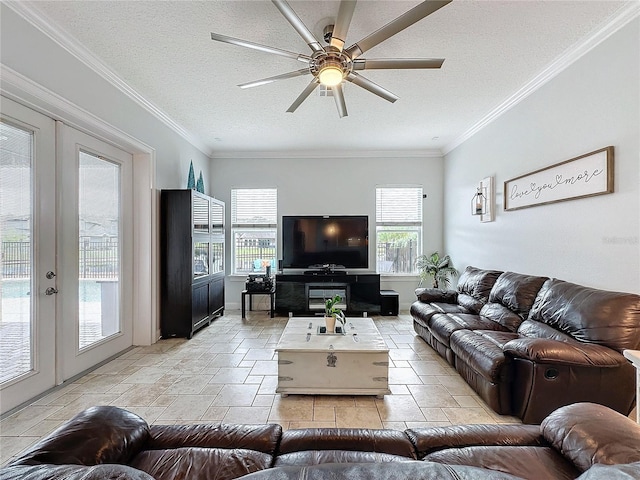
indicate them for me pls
(317, 241)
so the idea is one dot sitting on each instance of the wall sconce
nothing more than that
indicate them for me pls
(479, 202)
(482, 203)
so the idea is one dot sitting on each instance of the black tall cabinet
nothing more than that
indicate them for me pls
(192, 261)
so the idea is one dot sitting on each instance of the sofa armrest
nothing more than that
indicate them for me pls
(427, 440)
(98, 435)
(429, 295)
(546, 350)
(589, 434)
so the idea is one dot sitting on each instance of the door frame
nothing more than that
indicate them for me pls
(146, 197)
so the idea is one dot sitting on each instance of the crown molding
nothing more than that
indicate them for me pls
(316, 154)
(69, 43)
(16, 86)
(621, 18)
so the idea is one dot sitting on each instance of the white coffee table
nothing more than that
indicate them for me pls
(312, 363)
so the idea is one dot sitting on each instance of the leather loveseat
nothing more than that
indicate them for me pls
(528, 345)
(585, 441)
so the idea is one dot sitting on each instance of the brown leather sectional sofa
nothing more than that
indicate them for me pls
(528, 345)
(585, 441)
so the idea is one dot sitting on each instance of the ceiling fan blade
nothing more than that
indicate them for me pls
(297, 24)
(340, 29)
(339, 96)
(303, 96)
(257, 46)
(405, 20)
(371, 86)
(264, 81)
(400, 63)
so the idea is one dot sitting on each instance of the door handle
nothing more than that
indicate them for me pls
(50, 275)
(50, 291)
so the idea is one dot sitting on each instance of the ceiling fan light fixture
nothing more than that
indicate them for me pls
(330, 76)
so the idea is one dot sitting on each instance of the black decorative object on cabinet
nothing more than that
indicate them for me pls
(192, 261)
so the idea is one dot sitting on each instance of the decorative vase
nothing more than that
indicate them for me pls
(330, 322)
(191, 181)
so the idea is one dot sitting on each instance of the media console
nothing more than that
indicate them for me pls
(306, 293)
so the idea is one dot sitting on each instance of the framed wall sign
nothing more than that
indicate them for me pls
(584, 176)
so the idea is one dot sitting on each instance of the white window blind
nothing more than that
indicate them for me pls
(254, 207)
(399, 205)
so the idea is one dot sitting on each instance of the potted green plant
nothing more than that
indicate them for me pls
(333, 313)
(438, 268)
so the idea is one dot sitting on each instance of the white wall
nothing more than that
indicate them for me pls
(333, 186)
(594, 241)
(31, 53)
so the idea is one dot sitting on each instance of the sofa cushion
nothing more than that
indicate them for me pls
(588, 433)
(392, 442)
(196, 463)
(474, 286)
(449, 308)
(511, 299)
(501, 315)
(499, 339)
(261, 438)
(589, 315)
(627, 471)
(533, 329)
(526, 462)
(317, 457)
(422, 312)
(409, 470)
(98, 435)
(516, 291)
(469, 304)
(72, 472)
(430, 439)
(481, 355)
(429, 295)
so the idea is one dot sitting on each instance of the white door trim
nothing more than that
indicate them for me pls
(146, 326)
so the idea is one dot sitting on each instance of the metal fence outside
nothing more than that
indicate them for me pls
(98, 258)
(397, 257)
(254, 254)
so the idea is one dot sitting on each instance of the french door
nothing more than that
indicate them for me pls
(94, 251)
(66, 264)
(28, 253)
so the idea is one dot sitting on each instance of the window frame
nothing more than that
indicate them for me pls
(240, 226)
(411, 224)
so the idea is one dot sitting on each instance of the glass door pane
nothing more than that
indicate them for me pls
(16, 225)
(99, 254)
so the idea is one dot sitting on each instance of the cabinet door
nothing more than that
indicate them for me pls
(199, 305)
(216, 295)
(290, 297)
(365, 294)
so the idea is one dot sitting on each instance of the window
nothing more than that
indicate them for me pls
(254, 217)
(398, 229)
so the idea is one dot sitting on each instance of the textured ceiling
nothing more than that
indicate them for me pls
(163, 50)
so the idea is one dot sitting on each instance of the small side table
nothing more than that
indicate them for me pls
(246, 293)
(634, 356)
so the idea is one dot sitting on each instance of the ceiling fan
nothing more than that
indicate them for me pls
(333, 64)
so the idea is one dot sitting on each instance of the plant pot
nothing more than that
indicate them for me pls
(330, 322)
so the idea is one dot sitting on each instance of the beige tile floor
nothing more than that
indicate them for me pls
(227, 372)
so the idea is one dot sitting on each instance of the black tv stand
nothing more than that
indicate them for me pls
(325, 272)
(303, 294)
